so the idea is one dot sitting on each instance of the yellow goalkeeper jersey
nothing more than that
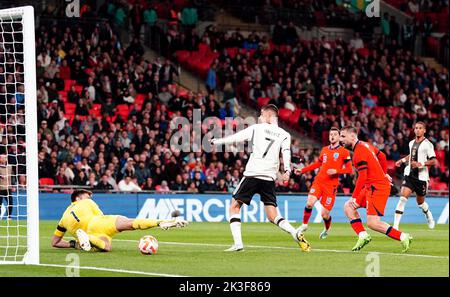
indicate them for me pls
(77, 216)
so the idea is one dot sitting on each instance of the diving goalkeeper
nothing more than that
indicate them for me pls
(86, 222)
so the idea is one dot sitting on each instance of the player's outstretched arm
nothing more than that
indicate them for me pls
(310, 167)
(175, 223)
(404, 160)
(59, 242)
(241, 136)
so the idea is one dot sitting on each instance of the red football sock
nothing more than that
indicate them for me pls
(357, 226)
(327, 223)
(393, 233)
(306, 215)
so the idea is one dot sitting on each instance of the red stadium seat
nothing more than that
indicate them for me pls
(123, 110)
(45, 181)
(313, 117)
(364, 52)
(96, 110)
(232, 52)
(395, 111)
(203, 48)
(293, 120)
(182, 56)
(63, 95)
(325, 136)
(440, 186)
(285, 114)
(379, 111)
(262, 101)
(70, 108)
(68, 83)
(79, 89)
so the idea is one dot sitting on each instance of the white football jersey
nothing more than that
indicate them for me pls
(266, 140)
(420, 152)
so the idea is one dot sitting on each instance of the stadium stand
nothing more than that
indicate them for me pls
(105, 115)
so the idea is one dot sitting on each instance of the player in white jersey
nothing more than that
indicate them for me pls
(267, 140)
(421, 156)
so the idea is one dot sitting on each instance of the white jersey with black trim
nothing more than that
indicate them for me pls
(267, 141)
(420, 152)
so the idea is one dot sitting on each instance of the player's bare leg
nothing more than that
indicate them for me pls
(405, 192)
(426, 210)
(307, 212)
(327, 222)
(272, 215)
(364, 238)
(375, 223)
(125, 224)
(235, 226)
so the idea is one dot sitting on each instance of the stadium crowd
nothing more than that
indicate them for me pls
(104, 110)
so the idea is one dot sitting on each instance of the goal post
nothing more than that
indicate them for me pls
(19, 178)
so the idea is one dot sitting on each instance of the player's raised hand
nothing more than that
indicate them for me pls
(331, 171)
(398, 163)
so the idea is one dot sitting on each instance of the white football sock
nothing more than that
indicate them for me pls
(235, 226)
(285, 226)
(399, 211)
(426, 210)
(363, 234)
(403, 236)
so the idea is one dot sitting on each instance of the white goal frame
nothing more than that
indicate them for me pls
(32, 188)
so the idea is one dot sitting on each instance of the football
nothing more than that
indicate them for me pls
(148, 245)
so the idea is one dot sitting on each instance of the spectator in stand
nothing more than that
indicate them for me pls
(395, 29)
(127, 185)
(356, 42)
(164, 188)
(167, 71)
(137, 18)
(211, 79)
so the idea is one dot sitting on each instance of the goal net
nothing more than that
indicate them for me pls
(19, 221)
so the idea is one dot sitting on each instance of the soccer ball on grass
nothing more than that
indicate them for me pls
(148, 245)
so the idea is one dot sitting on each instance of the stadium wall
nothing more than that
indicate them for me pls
(214, 207)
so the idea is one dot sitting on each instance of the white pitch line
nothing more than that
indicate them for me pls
(111, 270)
(290, 248)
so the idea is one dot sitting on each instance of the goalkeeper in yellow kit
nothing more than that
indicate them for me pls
(86, 222)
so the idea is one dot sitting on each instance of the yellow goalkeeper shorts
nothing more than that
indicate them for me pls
(103, 226)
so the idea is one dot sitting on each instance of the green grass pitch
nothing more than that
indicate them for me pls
(198, 251)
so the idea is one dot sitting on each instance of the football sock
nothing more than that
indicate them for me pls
(394, 233)
(284, 225)
(357, 226)
(306, 215)
(426, 210)
(399, 211)
(143, 224)
(97, 242)
(235, 226)
(327, 223)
